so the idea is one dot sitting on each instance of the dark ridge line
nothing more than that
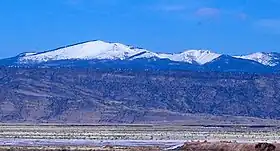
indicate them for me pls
(141, 53)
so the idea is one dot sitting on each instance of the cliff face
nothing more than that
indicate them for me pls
(91, 96)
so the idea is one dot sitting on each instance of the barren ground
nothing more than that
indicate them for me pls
(132, 137)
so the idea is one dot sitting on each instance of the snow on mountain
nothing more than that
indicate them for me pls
(268, 59)
(104, 50)
(144, 54)
(87, 53)
(190, 56)
(199, 56)
(87, 50)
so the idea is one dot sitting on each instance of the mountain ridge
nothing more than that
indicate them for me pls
(184, 56)
(86, 95)
(97, 50)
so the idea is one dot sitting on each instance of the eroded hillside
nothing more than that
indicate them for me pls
(88, 95)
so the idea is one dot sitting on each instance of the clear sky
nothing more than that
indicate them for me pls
(224, 26)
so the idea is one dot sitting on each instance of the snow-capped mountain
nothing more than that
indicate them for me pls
(114, 51)
(88, 50)
(102, 54)
(269, 59)
(231, 64)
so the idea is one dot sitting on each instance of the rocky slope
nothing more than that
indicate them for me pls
(120, 96)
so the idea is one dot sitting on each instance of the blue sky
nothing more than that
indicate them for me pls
(224, 26)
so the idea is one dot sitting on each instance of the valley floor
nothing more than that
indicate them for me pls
(128, 137)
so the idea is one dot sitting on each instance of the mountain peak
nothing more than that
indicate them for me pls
(101, 50)
(201, 56)
(269, 59)
(98, 49)
(197, 51)
(87, 50)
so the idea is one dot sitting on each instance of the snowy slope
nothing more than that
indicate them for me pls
(113, 51)
(199, 56)
(268, 59)
(87, 50)
(233, 64)
(116, 55)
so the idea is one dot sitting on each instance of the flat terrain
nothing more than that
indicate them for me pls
(129, 137)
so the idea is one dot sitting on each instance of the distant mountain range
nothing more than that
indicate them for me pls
(102, 54)
(143, 87)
